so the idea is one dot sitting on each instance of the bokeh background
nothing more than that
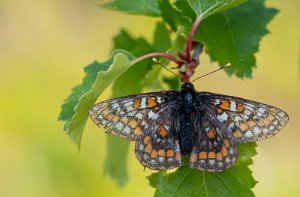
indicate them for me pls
(44, 45)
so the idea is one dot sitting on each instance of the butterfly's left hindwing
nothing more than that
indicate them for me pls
(126, 117)
(159, 148)
(240, 119)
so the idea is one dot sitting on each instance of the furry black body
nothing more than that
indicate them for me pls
(186, 118)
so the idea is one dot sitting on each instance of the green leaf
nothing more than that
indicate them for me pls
(185, 181)
(173, 16)
(140, 7)
(115, 166)
(204, 8)
(132, 78)
(230, 5)
(151, 79)
(185, 8)
(131, 82)
(173, 82)
(75, 109)
(233, 36)
(161, 40)
(161, 43)
(67, 109)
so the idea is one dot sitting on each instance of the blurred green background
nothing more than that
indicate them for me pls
(44, 45)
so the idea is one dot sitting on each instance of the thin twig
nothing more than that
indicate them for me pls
(190, 39)
(161, 54)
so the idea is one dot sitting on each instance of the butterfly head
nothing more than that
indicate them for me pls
(187, 87)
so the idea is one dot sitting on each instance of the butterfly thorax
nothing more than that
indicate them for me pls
(187, 96)
(186, 118)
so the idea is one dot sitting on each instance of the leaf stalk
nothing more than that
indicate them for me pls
(160, 54)
(190, 39)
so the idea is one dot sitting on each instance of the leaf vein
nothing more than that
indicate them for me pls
(182, 181)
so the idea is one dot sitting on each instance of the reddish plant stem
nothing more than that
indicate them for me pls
(191, 62)
(190, 39)
(153, 54)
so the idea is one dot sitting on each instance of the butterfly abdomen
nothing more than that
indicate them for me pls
(186, 120)
(186, 134)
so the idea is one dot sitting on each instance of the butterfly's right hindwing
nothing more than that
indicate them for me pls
(213, 150)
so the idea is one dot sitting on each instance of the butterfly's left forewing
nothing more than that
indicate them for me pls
(241, 119)
(127, 116)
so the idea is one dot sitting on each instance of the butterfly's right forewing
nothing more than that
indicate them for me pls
(241, 119)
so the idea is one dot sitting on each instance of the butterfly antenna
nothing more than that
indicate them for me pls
(226, 66)
(157, 62)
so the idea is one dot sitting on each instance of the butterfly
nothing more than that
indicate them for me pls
(204, 126)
